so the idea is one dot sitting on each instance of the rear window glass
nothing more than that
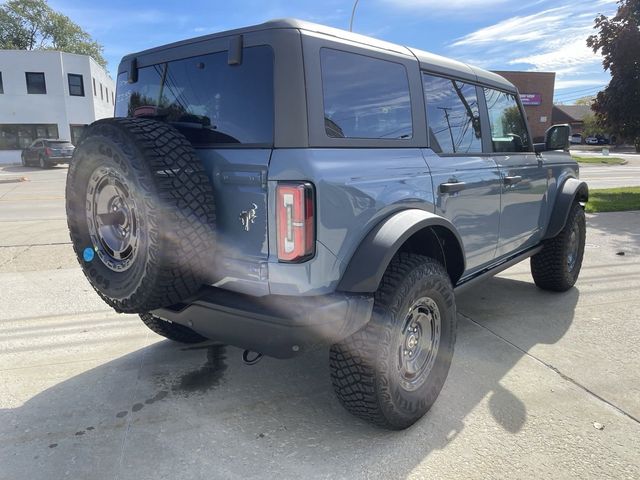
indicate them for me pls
(364, 97)
(209, 101)
(58, 143)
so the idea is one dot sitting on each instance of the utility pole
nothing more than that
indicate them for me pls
(353, 12)
(446, 116)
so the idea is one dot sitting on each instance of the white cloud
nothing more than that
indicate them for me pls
(553, 39)
(445, 3)
(566, 84)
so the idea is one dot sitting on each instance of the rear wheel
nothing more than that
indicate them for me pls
(391, 372)
(172, 331)
(141, 215)
(557, 266)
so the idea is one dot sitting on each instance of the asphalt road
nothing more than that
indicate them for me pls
(608, 176)
(542, 385)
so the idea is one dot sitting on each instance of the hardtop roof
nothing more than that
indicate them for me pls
(428, 61)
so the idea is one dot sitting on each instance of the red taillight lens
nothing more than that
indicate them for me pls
(295, 221)
(47, 151)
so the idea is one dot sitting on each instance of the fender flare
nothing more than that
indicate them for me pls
(370, 260)
(572, 189)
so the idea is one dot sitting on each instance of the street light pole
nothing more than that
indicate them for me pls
(353, 12)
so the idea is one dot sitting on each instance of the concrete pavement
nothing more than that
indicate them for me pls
(87, 393)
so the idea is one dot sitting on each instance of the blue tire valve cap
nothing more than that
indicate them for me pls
(88, 254)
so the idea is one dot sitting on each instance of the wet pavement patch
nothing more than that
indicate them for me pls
(122, 414)
(53, 445)
(157, 397)
(137, 407)
(207, 376)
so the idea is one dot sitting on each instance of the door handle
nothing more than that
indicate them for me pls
(512, 180)
(452, 187)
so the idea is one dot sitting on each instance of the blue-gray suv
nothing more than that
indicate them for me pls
(287, 186)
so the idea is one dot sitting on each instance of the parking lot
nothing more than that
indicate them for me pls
(542, 385)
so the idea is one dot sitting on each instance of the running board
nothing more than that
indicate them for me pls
(495, 269)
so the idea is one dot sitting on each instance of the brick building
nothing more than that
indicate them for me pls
(536, 91)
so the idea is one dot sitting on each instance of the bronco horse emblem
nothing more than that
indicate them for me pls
(248, 217)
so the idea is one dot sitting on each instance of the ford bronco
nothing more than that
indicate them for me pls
(288, 186)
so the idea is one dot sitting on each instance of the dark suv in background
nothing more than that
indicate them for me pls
(288, 186)
(46, 153)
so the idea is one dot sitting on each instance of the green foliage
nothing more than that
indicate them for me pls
(600, 160)
(591, 126)
(618, 38)
(613, 199)
(33, 25)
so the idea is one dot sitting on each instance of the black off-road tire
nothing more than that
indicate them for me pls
(365, 367)
(172, 331)
(550, 268)
(174, 213)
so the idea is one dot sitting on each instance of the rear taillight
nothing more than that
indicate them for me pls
(47, 151)
(295, 221)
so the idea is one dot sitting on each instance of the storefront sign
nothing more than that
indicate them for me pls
(531, 98)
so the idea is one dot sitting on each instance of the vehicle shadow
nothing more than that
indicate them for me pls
(172, 411)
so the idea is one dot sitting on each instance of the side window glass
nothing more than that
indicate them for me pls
(364, 97)
(508, 128)
(452, 115)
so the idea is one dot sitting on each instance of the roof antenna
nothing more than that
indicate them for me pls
(353, 12)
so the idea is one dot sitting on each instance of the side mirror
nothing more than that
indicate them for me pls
(557, 137)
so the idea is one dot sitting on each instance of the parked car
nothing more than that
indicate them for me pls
(298, 186)
(47, 152)
(576, 138)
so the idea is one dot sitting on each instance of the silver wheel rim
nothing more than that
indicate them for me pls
(112, 219)
(572, 250)
(419, 342)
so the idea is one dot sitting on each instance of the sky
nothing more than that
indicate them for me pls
(536, 35)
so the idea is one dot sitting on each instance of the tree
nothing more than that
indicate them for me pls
(618, 38)
(590, 126)
(33, 25)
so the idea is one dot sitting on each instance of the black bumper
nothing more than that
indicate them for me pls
(274, 325)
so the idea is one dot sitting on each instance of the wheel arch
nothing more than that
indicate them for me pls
(412, 231)
(571, 190)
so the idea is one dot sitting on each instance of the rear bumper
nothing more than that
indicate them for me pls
(275, 325)
(58, 159)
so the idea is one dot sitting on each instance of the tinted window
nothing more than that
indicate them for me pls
(452, 115)
(36, 82)
(14, 136)
(1, 86)
(57, 143)
(207, 99)
(508, 130)
(76, 85)
(364, 97)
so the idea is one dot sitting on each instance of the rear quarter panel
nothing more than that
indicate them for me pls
(355, 189)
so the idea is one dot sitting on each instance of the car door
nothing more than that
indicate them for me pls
(33, 150)
(466, 182)
(524, 179)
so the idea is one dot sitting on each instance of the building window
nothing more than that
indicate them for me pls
(452, 115)
(17, 136)
(1, 86)
(113, 100)
(76, 133)
(106, 93)
(76, 85)
(36, 83)
(101, 92)
(364, 97)
(95, 93)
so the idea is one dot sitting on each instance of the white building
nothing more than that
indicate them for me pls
(49, 94)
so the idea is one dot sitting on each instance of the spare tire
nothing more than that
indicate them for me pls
(141, 215)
